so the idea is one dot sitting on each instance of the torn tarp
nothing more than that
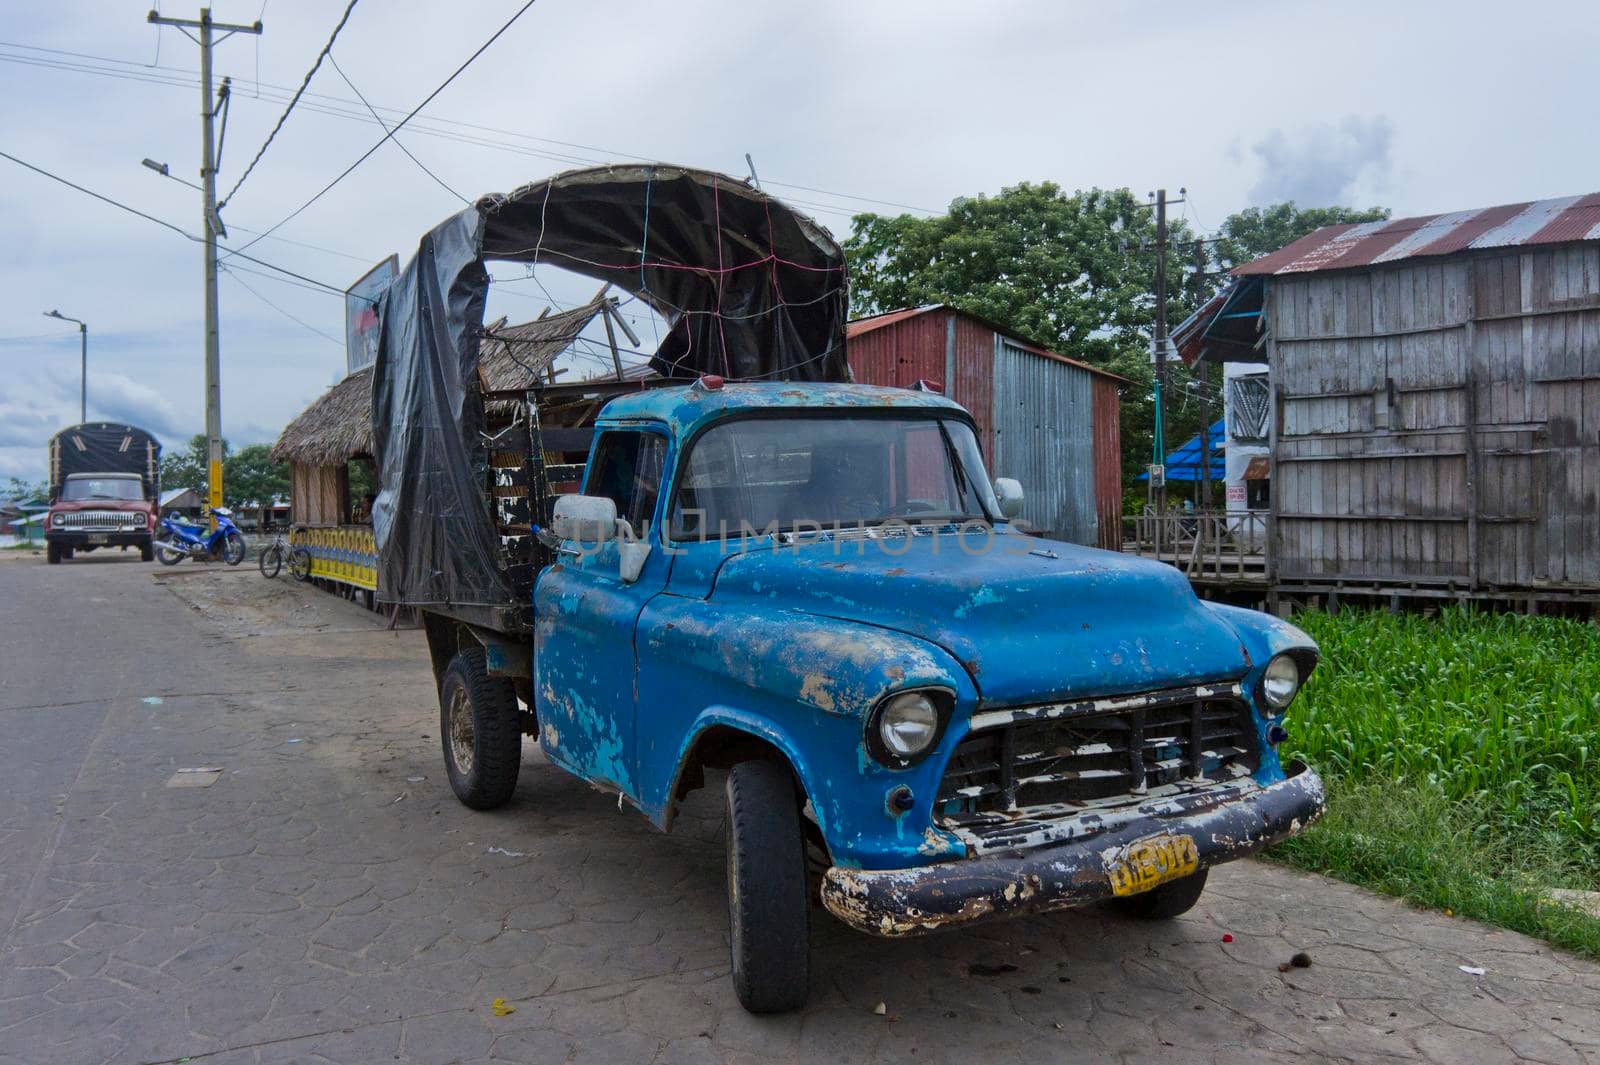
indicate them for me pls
(751, 289)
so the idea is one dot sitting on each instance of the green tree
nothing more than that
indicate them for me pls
(187, 467)
(1258, 231)
(250, 476)
(1073, 272)
(24, 491)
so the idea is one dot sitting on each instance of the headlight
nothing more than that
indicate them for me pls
(1281, 683)
(906, 726)
(58, 519)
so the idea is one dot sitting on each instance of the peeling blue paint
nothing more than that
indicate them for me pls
(795, 644)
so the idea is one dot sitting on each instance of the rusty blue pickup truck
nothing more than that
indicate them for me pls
(812, 592)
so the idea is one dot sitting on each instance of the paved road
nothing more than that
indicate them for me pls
(327, 900)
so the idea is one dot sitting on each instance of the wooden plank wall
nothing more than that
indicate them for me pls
(1439, 421)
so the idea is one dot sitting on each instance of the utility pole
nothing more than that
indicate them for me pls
(1158, 344)
(213, 228)
(1205, 390)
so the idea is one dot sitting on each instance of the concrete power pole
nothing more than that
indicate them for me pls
(1205, 391)
(1161, 340)
(213, 228)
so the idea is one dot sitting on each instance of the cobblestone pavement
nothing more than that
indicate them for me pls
(327, 900)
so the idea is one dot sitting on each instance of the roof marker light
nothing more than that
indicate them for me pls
(709, 383)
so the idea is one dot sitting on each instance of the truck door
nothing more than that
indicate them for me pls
(585, 616)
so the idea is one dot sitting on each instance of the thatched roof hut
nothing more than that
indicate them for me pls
(334, 429)
(337, 426)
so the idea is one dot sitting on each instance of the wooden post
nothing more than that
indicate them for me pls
(1473, 507)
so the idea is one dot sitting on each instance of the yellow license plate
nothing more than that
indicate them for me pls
(1150, 862)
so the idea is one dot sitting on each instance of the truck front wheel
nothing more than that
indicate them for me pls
(52, 553)
(147, 553)
(1173, 899)
(480, 731)
(768, 913)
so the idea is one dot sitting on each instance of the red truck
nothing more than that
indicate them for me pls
(104, 482)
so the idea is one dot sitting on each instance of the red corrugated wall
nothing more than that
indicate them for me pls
(900, 353)
(1108, 462)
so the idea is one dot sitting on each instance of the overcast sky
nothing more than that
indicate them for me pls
(1419, 107)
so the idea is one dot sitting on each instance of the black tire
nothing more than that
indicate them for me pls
(52, 554)
(480, 732)
(171, 556)
(271, 561)
(769, 914)
(233, 549)
(1172, 899)
(147, 552)
(300, 564)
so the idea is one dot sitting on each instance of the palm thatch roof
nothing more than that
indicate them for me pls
(334, 429)
(337, 426)
(513, 358)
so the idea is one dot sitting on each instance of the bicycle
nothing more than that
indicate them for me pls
(280, 549)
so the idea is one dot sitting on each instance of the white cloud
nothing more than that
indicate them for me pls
(1324, 164)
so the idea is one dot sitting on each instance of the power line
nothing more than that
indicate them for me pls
(37, 336)
(351, 6)
(389, 134)
(165, 224)
(397, 142)
(307, 325)
(605, 154)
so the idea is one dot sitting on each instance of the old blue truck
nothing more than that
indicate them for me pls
(811, 591)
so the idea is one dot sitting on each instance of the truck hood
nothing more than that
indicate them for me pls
(1030, 620)
(69, 506)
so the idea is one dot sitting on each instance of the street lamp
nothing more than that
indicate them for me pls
(83, 387)
(165, 171)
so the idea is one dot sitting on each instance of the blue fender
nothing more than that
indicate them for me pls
(1264, 637)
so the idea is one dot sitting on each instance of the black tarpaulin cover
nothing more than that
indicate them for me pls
(751, 289)
(105, 447)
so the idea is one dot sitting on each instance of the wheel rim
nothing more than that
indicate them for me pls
(460, 731)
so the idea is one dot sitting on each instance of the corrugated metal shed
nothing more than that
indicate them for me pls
(1539, 222)
(1047, 420)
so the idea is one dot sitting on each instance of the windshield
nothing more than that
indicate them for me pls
(819, 472)
(122, 488)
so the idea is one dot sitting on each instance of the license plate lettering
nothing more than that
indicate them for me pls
(1152, 861)
(98, 539)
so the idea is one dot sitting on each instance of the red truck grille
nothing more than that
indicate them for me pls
(104, 520)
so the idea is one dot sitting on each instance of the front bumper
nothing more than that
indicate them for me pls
(78, 538)
(900, 902)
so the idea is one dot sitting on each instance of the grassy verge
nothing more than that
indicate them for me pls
(1463, 759)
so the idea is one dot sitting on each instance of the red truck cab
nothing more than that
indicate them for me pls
(104, 482)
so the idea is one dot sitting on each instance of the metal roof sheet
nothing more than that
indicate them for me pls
(861, 326)
(1555, 221)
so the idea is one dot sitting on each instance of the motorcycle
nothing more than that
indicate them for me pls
(178, 539)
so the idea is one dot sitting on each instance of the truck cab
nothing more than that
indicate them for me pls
(97, 510)
(104, 483)
(925, 715)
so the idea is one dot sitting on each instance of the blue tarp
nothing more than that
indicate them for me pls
(1184, 463)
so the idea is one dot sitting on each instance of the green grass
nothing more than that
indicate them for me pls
(1462, 754)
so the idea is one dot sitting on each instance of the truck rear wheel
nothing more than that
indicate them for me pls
(769, 917)
(1172, 899)
(480, 732)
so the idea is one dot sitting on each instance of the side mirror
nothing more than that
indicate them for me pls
(1009, 493)
(587, 519)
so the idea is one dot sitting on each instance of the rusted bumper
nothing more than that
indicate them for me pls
(900, 902)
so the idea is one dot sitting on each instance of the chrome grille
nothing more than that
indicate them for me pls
(104, 520)
(1089, 752)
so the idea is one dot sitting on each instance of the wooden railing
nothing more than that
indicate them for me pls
(1213, 545)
